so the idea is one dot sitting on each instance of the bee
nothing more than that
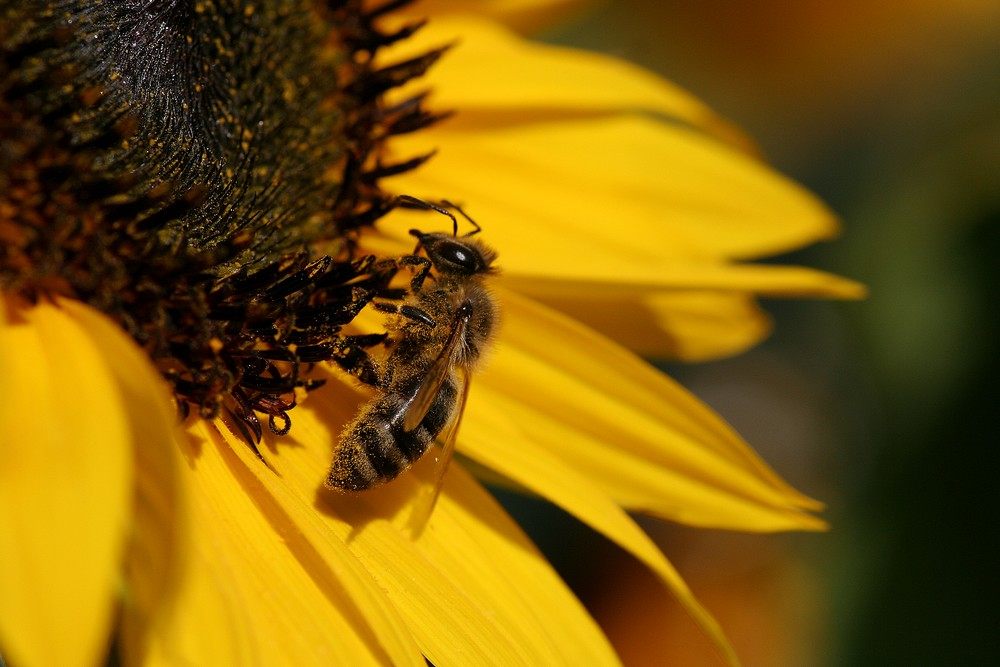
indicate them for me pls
(440, 331)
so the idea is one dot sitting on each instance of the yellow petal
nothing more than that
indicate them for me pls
(159, 538)
(524, 15)
(277, 587)
(689, 325)
(472, 589)
(614, 278)
(697, 312)
(689, 309)
(537, 470)
(210, 626)
(564, 194)
(491, 75)
(65, 488)
(645, 440)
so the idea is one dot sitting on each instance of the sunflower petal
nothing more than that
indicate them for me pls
(626, 186)
(494, 74)
(471, 567)
(697, 312)
(537, 470)
(211, 626)
(648, 442)
(689, 325)
(155, 560)
(524, 15)
(689, 309)
(616, 279)
(263, 566)
(65, 488)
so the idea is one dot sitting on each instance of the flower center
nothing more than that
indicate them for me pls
(199, 171)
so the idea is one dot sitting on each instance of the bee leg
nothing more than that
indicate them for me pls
(421, 269)
(350, 355)
(421, 266)
(406, 310)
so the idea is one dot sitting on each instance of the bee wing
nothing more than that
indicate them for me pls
(425, 504)
(435, 377)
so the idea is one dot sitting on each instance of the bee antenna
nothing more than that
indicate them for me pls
(407, 201)
(465, 215)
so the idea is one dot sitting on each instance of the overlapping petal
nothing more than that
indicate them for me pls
(98, 382)
(66, 475)
(263, 566)
(523, 15)
(693, 325)
(599, 205)
(633, 172)
(621, 181)
(644, 440)
(710, 312)
(471, 568)
(156, 557)
(675, 307)
(508, 79)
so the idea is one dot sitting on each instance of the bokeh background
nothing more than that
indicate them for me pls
(885, 409)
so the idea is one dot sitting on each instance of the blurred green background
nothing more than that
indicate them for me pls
(885, 409)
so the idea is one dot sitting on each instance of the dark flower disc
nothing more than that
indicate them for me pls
(199, 171)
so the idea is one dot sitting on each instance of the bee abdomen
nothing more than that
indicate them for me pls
(375, 448)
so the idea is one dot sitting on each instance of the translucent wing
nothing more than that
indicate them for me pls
(428, 498)
(439, 370)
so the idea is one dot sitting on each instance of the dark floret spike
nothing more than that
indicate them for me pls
(382, 10)
(245, 415)
(343, 273)
(250, 435)
(286, 422)
(358, 28)
(250, 283)
(379, 81)
(180, 180)
(381, 40)
(268, 385)
(298, 281)
(278, 354)
(183, 411)
(313, 353)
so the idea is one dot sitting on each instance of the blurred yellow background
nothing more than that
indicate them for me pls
(885, 409)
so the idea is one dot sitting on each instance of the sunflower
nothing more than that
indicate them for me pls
(188, 194)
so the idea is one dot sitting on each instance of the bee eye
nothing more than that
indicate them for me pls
(461, 256)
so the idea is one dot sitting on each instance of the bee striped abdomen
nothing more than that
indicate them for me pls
(376, 448)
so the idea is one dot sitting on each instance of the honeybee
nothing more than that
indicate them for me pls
(438, 334)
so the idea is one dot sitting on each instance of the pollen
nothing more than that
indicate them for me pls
(180, 166)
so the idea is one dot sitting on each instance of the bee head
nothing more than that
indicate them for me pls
(455, 255)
